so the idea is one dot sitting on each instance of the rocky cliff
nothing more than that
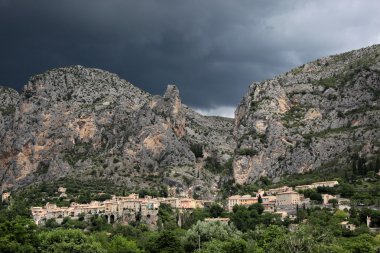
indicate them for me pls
(313, 116)
(88, 123)
(91, 124)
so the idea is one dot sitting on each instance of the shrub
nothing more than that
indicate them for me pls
(213, 165)
(197, 149)
(246, 151)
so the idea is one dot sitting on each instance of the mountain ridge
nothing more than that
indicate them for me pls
(90, 123)
(293, 108)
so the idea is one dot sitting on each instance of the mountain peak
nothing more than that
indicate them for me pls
(171, 92)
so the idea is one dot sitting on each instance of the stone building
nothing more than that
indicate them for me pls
(326, 198)
(269, 203)
(245, 200)
(289, 198)
(173, 202)
(275, 191)
(119, 209)
(316, 185)
(303, 187)
(188, 203)
(325, 184)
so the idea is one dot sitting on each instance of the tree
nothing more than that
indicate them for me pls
(258, 207)
(230, 246)
(375, 216)
(198, 214)
(167, 217)
(197, 150)
(213, 246)
(143, 193)
(235, 246)
(259, 199)
(208, 231)
(98, 223)
(8, 245)
(364, 243)
(71, 223)
(316, 197)
(265, 180)
(18, 235)
(334, 202)
(164, 242)
(354, 168)
(70, 241)
(163, 191)
(362, 167)
(264, 236)
(269, 218)
(103, 197)
(212, 164)
(84, 198)
(51, 223)
(377, 164)
(326, 190)
(304, 239)
(127, 231)
(347, 190)
(332, 248)
(247, 218)
(341, 214)
(216, 210)
(242, 217)
(301, 214)
(120, 244)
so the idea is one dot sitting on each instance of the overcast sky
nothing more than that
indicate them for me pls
(212, 49)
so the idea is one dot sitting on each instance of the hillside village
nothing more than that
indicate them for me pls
(290, 135)
(189, 126)
(126, 209)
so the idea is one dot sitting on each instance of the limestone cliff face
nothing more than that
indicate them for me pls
(89, 123)
(9, 100)
(313, 116)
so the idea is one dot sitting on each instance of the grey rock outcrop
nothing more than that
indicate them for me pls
(88, 123)
(315, 115)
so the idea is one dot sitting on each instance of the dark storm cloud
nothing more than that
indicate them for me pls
(212, 49)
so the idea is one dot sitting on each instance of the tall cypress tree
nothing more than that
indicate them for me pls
(354, 168)
(362, 170)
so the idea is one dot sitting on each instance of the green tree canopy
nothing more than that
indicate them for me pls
(120, 244)
(208, 231)
(18, 235)
(164, 242)
(68, 241)
(216, 210)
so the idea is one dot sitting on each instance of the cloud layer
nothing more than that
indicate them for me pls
(212, 49)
